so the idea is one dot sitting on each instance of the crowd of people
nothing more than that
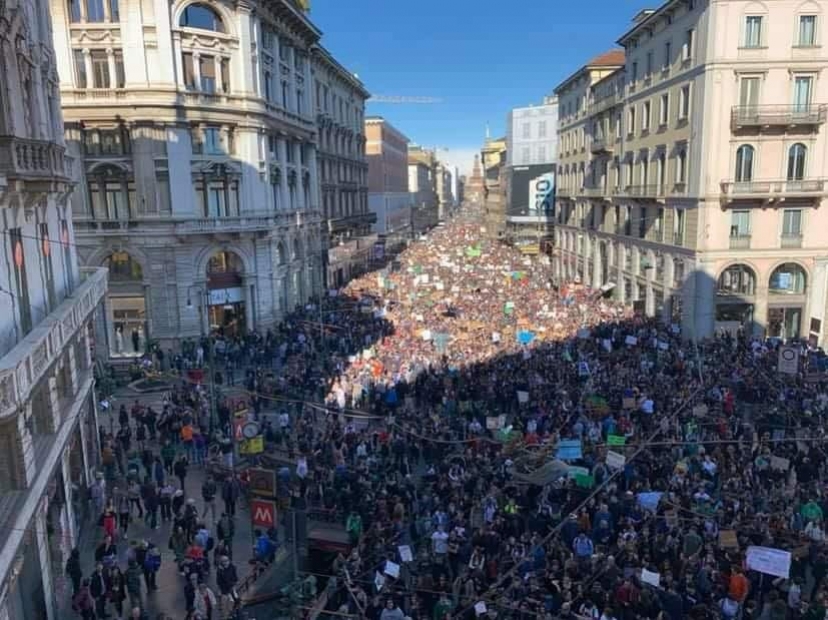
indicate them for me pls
(499, 446)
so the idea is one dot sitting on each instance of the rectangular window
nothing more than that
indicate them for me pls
(208, 74)
(684, 102)
(285, 91)
(631, 121)
(21, 284)
(649, 65)
(740, 223)
(116, 202)
(527, 131)
(668, 55)
(525, 155)
(681, 166)
(114, 15)
(300, 101)
(80, 69)
(753, 31)
(689, 42)
(792, 222)
(189, 72)
(94, 10)
(120, 79)
(664, 110)
(48, 269)
(749, 92)
(679, 224)
(803, 88)
(212, 141)
(267, 84)
(645, 116)
(541, 154)
(642, 222)
(541, 129)
(67, 255)
(634, 73)
(74, 11)
(807, 30)
(100, 69)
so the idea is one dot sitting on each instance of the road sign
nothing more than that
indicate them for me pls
(252, 446)
(264, 513)
(262, 482)
(238, 429)
(250, 430)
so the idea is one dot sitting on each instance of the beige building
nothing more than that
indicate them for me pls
(691, 176)
(493, 157)
(386, 148)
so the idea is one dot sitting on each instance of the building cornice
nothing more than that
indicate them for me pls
(320, 54)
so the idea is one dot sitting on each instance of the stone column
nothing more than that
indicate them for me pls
(110, 60)
(197, 70)
(220, 86)
(300, 169)
(178, 60)
(107, 12)
(314, 178)
(597, 265)
(760, 310)
(281, 154)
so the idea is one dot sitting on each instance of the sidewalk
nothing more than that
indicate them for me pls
(169, 598)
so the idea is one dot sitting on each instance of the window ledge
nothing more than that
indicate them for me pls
(815, 46)
(752, 47)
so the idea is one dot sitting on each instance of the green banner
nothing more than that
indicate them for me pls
(585, 482)
(616, 440)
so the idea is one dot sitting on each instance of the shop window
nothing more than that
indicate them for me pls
(737, 280)
(123, 268)
(788, 279)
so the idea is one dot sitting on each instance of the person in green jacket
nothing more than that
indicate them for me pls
(443, 607)
(168, 456)
(811, 511)
(354, 527)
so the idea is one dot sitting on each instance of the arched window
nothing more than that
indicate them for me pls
(297, 250)
(123, 268)
(796, 162)
(202, 17)
(225, 262)
(788, 279)
(737, 280)
(744, 163)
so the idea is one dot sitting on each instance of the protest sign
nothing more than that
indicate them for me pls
(728, 539)
(584, 482)
(700, 411)
(607, 344)
(769, 561)
(480, 608)
(583, 333)
(569, 449)
(615, 460)
(616, 440)
(788, 363)
(628, 402)
(523, 397)
(631, 340)
(379, 580)
(583, 369)
(780, 464)
(649, 577)
(649, 501)
(405, 553)
(573, 471)
(525, 337)
(663, 346)
(392, 569)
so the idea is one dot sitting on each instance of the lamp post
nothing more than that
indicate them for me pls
(204, 297)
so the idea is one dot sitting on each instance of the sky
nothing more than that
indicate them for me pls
(481, 58)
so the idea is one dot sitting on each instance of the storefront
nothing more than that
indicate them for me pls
(786, 301)
(127, 306)
(226, 308)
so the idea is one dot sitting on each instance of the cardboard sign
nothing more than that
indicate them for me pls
(654, 579)
(392, 569)
(615, 460)
(569, 450)
(480, 608)
(405, 553)
(523, 397)
(780, 464)
(728, 539)
(769, 561)
(788, 363)
(628, 402)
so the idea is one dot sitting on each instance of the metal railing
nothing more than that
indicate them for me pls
(739, 242)
(601, 145)
(758, 115)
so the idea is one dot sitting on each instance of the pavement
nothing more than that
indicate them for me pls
(169, 597)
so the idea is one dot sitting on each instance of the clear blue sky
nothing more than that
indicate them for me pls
(481, 57)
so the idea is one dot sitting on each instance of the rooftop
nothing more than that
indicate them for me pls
(607, 60)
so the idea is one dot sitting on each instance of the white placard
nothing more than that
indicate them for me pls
(583, 333)
(523, 397)
(788, 360)
(392, 569)
(439, 286)
(495, 337)
(663, 345)
(615, 460)
(631, 340)
(480, 608)
(405, 553)
(654, 579)
(769, 561)
(379, 580)
(426, 334)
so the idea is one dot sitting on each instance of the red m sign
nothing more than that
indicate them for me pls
(264, 513)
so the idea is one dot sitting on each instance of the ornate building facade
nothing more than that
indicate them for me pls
(50, 312)
(193, 124)
(343, 169)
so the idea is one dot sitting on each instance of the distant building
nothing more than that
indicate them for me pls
(493, 156)
(532, 134)
(388, 194)
(475, 186)
(422, 167)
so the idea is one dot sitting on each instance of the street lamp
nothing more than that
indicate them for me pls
(204, 295)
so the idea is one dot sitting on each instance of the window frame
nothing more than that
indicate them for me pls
(814, 42)
(747, 39)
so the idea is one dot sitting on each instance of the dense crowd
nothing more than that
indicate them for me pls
(497, 446)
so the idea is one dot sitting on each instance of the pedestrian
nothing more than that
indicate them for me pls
(83, 603)
(165, 501)
(190, 591)
(73, 570)
(168, 456)
(178, 544)
(152, 564)
(123, 507)
(205, 601)
(98, 589)
(208, 495)
(116, 588)
(134, 494)
(230, 494)
(133, 584)
(226, 529)
(107, 552)
(158, 471)
(180, 469)
(151, 502)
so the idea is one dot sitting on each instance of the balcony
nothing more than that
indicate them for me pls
(595, 192)
(600, 146)
(340, 224)
(739, 242)
(791, 240)
(22, 368)
(648, 191)
(31, 160)
(777, 115)
(772, 190)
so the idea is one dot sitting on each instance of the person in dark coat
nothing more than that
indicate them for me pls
(116, 593)
(230, 494)
(73, 570)
(98, 589)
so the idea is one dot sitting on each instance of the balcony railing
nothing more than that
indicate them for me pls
(601, 145)
(23, 367)
(28, 159)
(739, 242)
(645, 191)
(773, 189)
(768, 115)
(791, 240)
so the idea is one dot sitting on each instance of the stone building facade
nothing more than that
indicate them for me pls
(50, 313)
(194, 127)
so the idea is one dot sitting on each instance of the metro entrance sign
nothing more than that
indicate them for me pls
(263, 512)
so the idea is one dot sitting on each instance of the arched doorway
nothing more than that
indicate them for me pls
(735, 298)
(128, 305)
(786, 301)
(226, 312)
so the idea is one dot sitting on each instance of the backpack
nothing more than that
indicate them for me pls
(153, 561)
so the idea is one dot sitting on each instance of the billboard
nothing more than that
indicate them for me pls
(532, 191)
